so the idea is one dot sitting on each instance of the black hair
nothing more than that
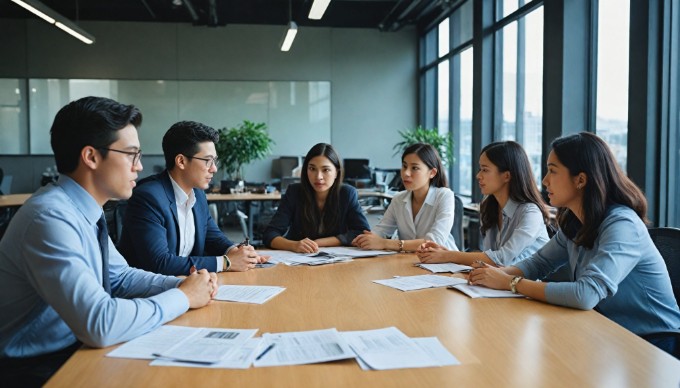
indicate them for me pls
(510, 156)
(184, 138)
(606, 185)
(429, 155)
(313, 219)
(89, 121)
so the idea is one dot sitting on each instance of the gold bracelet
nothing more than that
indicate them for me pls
(401, 246)
(514, 282)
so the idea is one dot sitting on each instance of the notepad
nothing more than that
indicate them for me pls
(419, 282)
(444, 267)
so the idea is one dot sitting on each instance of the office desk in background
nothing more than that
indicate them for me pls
(499, 342)
(13, 200)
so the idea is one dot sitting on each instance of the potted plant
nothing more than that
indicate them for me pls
(241, 145)
(443, 143)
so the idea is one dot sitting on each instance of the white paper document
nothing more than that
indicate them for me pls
(180, 343)
(418, 282)
(247, 294)
(294, 258)
(483, 292)
(444, 267)
(241, 358)
(355, 252)
(157, 341)
(389, 348)
(303, 347)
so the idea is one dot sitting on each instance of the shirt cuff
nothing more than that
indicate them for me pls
(173, 303)
(220, 264)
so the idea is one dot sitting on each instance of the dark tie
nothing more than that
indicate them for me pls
(103, 237)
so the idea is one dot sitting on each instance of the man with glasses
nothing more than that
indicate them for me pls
(167, 227)
(62, 282)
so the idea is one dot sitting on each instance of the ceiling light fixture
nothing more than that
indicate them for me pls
(318, 8)
(291, 31)
(53, 17)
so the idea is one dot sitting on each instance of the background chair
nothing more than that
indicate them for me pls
(457, 228)
(667, 241)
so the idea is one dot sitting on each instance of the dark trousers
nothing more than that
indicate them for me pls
(33, 371)
(667, 343)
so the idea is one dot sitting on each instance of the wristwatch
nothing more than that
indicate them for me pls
(514, 282)
(227, 263)
(401, 246)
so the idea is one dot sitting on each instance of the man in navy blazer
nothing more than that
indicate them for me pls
(167, 227)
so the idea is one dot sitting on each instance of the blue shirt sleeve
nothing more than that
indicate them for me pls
(525, 230)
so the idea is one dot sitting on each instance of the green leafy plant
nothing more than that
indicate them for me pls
(241, 145)
(443, 143)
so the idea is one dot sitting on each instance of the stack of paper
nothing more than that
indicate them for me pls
(303, 347)
(483, 292)
(418, 282)
(186, 344)
(389, 348)
(326, 255)
(445, 267)
(247, 294)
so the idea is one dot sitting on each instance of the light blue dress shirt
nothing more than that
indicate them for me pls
(51, 280)
(522, 234)
(623, 276)
(433, 222)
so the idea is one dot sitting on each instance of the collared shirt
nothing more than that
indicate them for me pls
(433, 221)
(522, 233)
(51, 280)
(623, 275)
(185, 222)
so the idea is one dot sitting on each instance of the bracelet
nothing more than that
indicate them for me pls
(401, 246)
(227, 263)
(514, 282)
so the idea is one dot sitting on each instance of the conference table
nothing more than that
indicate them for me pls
(13, 200)
(499, 342)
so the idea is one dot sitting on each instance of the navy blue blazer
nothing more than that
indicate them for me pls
(287, 222)
(150, 235)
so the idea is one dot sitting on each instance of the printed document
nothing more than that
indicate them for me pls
(418, 282)
(483, 292)
(355, 252)
(302, 347)
(247, 294)
(429, 345)
(241, 358)
(444, 267)
(191, 344)
(389, 348)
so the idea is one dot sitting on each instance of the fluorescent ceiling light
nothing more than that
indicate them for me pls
(289, 37)
(318, 8)
(51, 16)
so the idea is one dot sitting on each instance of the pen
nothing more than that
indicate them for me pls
(266, 350)
(245, 242)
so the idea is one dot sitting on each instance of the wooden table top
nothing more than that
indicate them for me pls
(499, 342)
(13, 200)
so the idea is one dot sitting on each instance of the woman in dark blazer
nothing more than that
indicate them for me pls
(320, 211)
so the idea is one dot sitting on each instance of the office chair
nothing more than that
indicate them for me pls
(457, 228)
(667, 241)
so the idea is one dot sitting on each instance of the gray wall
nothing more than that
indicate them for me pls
(373, 74)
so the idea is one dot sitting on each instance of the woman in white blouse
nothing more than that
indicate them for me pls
(513, 215)
(424, 212)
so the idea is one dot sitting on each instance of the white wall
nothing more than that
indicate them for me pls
(372, 74)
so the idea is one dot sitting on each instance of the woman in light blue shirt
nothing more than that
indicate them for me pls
(424, 211)
(614, 265)
(513, 214)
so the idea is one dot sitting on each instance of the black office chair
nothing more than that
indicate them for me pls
(457, 228)
(667, 241)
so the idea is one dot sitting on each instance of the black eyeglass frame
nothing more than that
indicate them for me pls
(209, 162)
(136, 156)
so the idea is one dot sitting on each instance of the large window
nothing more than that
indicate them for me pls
(519, 46)
(612, 75)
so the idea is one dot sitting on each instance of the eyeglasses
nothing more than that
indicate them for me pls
(136, 156)
(209, 162)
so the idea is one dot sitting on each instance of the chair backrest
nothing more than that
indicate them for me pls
(457, 228)
(667, 241)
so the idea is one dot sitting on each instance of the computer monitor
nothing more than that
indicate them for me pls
(356, 169)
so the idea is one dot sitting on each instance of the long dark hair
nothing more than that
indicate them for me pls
(313, 219)
(510, 156)
(430, 157)
(606, 185)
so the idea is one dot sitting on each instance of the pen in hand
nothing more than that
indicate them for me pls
(265, 351)
(245, 243)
